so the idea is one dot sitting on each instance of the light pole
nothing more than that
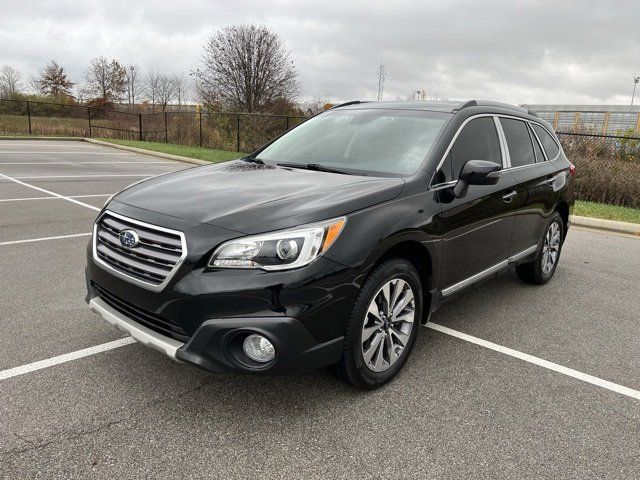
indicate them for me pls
(635, 84)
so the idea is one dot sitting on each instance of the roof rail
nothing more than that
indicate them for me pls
(470, 103)
(352, 102)
(487, 103)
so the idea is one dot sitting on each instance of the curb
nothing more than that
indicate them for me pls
(151, 153)
(607, 225)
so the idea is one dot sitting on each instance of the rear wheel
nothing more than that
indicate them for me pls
(542, 268)
(383, 326)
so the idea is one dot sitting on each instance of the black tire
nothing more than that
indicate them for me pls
(353, 367)
(534, 272)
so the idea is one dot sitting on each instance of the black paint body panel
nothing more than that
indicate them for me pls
(213, 204)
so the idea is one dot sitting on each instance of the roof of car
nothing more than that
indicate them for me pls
(438, 106)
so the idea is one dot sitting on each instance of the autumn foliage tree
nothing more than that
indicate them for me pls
(53, 81)
(246, 68)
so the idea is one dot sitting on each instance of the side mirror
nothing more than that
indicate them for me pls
(476, 172)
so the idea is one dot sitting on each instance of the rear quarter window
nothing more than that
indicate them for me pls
(548, 143)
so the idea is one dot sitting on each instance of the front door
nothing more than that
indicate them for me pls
(476, 229)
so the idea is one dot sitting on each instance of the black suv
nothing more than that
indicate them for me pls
(330, 245)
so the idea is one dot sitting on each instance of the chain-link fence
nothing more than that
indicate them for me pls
(607, 167)
(242, 132)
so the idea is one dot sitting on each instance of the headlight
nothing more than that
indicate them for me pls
(279, 250)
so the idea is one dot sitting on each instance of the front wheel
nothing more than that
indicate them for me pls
(383, 326)
(544, 265)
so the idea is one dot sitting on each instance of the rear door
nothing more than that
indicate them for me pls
(535, 179)
(476, 229)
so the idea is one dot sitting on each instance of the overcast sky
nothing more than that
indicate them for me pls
(558, 51)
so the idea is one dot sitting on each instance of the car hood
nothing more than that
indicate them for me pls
(253, 198)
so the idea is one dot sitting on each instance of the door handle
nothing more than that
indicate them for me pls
(551, 180)
(507, 197)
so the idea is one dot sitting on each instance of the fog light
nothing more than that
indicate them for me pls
(258, 348)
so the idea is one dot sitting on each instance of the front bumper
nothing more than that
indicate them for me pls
(216, 344)
(138, 332)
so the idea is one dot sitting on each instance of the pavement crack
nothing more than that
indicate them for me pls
(78, 434)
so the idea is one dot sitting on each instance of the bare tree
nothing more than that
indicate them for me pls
(134, 84)
(33, 85)
(10, 82)
(247, 68)
(151, 85)
(106, 79)
(161, 89)
(53, 81)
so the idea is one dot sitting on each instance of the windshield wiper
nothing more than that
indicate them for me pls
(317, 167)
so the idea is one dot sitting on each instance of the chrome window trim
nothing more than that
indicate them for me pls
(552, 138)
(442, 186)
(526, 124)
(487, 272)
(535, 135)
(137, 281)
(504, 147)
(446, 152)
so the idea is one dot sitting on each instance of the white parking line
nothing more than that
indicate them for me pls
(39, 144)
(54, 198)
(67, 357)
(48, 192)
(40, 152)
(84, 163)
(614, 387)
(29, 240)
(80, 176)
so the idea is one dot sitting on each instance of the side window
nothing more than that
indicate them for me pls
(478, 140)
(536, 148)
(549, 144)
(518, 142)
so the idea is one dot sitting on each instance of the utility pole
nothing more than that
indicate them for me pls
(380, 82)
(635, 84)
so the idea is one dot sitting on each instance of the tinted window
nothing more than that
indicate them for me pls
(518, 142)
(366, 140)
(549, 144)
(536, 148)
(478, 140)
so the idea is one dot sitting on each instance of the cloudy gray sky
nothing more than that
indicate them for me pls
(562, 51)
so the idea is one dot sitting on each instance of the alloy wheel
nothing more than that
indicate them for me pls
(387, 326)
(551, 248)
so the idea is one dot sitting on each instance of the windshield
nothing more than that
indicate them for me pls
(374, 140)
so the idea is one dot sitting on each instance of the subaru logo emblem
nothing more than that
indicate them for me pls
(129, 238)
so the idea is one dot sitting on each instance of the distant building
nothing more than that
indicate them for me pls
(604, 119)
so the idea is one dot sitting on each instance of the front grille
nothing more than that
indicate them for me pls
(151, 262)
(142, 316)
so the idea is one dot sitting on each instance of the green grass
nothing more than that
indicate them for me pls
(200, 153)
(608, 212)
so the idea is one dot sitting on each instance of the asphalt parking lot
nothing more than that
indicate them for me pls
(510, 381)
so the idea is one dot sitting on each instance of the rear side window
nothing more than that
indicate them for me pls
(478, 140)
(518, 142)
(536, 148)
(549, 144)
